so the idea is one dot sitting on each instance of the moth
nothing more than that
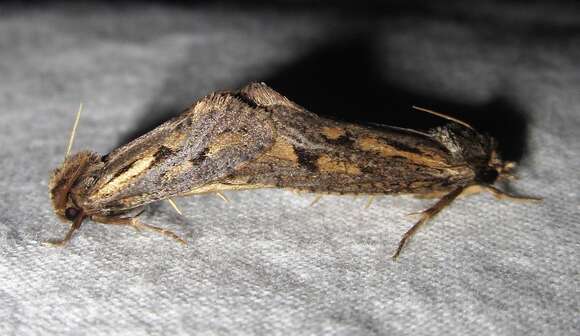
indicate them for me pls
(257, 138)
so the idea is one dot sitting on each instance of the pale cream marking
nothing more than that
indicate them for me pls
(118, 182)
(216, 187)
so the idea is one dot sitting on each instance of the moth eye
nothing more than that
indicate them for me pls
(71, 213)
(488, 176)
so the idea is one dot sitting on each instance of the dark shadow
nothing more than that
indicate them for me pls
(343, 80)
(153, 115)
(174, 96)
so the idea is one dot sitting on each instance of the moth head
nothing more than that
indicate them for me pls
(465, 144)
(476, 149)
(502, 170)
(495, 169)
(63, 181)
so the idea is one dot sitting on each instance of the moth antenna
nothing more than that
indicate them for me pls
(410, 130)
(74, 130)
(444, 116)
(175, 206)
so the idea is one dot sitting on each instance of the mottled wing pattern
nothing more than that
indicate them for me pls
(206, 143)
(258, 138)
(320, 155)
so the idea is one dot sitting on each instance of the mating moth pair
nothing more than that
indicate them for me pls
(257, 138)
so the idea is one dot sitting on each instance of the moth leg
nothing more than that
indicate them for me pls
(222, 196)
(426, 215)
(138, 225)
(174, 206)
(316, 199)
(74, 226)
(116, 221)
(62, 242)
(414, 213)
(502, 195)
(370, 201)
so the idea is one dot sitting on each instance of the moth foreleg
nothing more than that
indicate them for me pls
(369, 201)
(426, 215)
(76, 224)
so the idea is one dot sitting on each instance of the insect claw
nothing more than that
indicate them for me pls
(54, 243)
(75, 225)
(397, 253)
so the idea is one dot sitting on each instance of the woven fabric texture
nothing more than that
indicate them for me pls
(267, 262)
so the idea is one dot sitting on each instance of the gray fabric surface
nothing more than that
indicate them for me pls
(267, 263)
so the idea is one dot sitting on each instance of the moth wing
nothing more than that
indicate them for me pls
(262, 95)
(206, 143)
(321, 155)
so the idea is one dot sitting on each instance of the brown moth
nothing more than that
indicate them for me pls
(257, 138)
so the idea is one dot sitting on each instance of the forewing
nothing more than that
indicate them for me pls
(321, 155)
(207, 142)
